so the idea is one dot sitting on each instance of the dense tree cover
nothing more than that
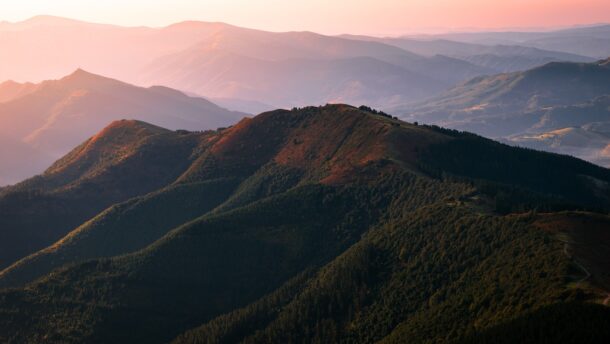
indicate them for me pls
(376, 112)
(123, 228)
(559, 323)
(474, 157)
(440, 273)
(232, 257)
(134, 161)
(324, 224)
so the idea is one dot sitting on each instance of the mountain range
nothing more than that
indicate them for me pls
(248, 70)
(561, 107)
(41, 122)
(320, 224)
(494, 57)
(589, 40)
(246, 67)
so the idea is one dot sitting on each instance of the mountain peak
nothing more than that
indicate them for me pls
(116, 140)
(81, 74)
(49, 20)
(83, 78)
(132, 124)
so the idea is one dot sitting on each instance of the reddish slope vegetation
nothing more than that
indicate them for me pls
(392, 228)
(328, 143)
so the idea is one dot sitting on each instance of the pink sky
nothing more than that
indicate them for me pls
(326, 16)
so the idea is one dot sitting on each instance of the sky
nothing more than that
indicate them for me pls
(326, 16)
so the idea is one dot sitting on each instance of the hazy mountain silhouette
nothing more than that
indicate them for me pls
(543, 108)
(53, 116)
(219, 60)
(287, 69)
(117, 52)
(590, 41)
(195, 57)
(19, 160)
(10, 90)
(498, 58)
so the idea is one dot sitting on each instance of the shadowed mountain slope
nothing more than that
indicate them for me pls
(127, 159)
(318, 224)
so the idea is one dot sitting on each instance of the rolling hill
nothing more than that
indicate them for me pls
(527, 107)
(54, 116)
(321, 224)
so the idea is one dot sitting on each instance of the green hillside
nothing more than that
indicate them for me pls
(321, 225)
(127, 159)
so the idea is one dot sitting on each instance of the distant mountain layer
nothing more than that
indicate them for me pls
(541, 108)
(284, 69)
(496, 57)
(10, 90)
(218, 60)
(297, 68)
(54, 116)
(323, 224)
(592, 41)
(19, 160)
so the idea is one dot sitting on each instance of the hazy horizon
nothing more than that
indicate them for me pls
(384, 17)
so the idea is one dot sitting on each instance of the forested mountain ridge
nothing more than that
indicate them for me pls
(127, 159)
(322, 224)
